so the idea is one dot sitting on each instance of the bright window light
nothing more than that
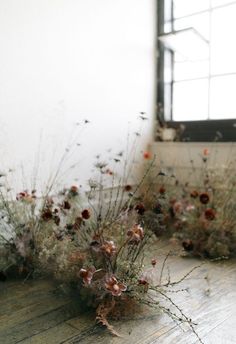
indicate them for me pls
(201, 36)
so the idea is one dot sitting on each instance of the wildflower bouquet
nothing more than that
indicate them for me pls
(99, 248)
(96, 241)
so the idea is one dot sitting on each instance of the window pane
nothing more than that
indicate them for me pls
(185, 7)
(190, 100)
(222, 97)
(168, 66)
(199, 22)
(223, 49)
(167, 101)
(191, 70)
(168, 16)
(220, 2)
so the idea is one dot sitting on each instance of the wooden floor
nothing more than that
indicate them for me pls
(36, 312)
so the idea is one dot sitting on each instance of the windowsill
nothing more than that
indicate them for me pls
(207, 131)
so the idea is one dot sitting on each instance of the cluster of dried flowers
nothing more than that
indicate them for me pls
(201, 216)
(100, 248)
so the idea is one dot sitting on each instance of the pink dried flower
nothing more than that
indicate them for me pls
(87, 275)
(25, 196)
(135, 234)
(114, 287)
(190, 207)
(74, 190)
(178, 207)
(147, 155)
(108, 248)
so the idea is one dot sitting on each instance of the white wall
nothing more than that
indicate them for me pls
(65, 60)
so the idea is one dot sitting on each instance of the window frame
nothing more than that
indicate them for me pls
(195, 130)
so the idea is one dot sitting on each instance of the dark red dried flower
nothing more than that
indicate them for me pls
(194, 194)
(135, 234)
(25, 196)
(66, 205)
(188, 245)
(87, 275)
(86, 214)
(154, 262)
(114, 287)
(109, 172)
(108, 248)
(140, 208)
(128, 188)
(143, 281)
(21, 195)
(47, 214)
(162, 190)
(204, 198)
(210, 214)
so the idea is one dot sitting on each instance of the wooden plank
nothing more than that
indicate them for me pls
(38, 324)
(225, 333)
(12, 293)
(55, 335)
(26, 296)
(31, 311)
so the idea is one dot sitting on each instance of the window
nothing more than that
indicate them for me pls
(197, 64)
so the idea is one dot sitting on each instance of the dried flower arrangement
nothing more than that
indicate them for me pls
(200, 215)
(96, 241)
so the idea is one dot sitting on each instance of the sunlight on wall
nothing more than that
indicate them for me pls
(65, 61)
